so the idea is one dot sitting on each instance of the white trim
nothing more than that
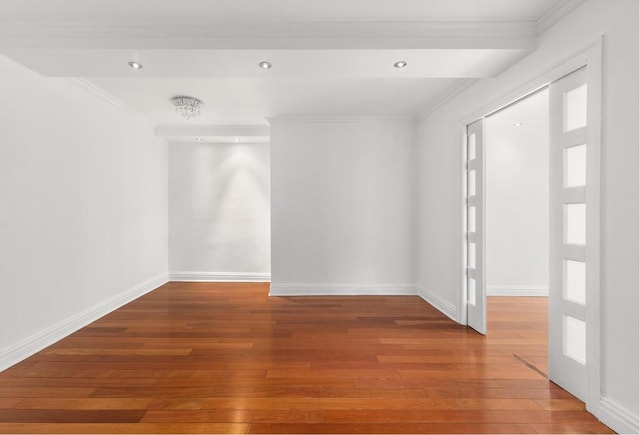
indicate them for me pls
(594, 226)
(438, 302)
(517, 290)
(277, 35)
(168, 130)
(591, 56)
(557, 13)
(339, 119)
(571, 63)
(618, 418)
(25, 348)
(219, 277)
(105, 97)
(217, 140)
(343, 290)
(446, 97)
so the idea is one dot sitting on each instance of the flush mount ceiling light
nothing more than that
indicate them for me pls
(199, 139)
(135, 65)
(187, 107)
(400, 64)
(517, 124)
(264, 65)
(236, 139)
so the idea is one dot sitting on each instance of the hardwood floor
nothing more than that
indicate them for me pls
(220, 358)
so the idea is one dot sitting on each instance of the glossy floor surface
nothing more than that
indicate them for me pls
(220, 358)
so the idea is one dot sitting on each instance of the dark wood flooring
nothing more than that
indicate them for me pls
(226, 358)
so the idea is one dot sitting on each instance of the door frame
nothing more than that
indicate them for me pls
(591, 58)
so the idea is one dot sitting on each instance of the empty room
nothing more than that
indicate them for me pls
(338, 216)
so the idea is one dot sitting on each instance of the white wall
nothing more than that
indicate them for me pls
(440, 190)
(517, 199)
(83, 221)
(219, 218)
(342, 206)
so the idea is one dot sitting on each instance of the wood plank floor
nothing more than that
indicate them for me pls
(226, 358)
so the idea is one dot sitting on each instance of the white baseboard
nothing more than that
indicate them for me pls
(617, 418)
(438, 302)
(219, 277)
(447, 308)
(25, 348)
(343, 290)
(517, 290)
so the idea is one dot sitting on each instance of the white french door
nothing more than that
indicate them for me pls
(574, 209)
(569, 209)
(475, 264)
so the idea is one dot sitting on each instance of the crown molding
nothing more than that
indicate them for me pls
(169, 131)
(275, 35)
(557, 13)
(214, 134)
(217, 141)
(339, 119)
(103, 96)
(446, 97)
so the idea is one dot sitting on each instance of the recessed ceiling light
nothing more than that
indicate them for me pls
(400, 64)
(264, 65)
(199, 139)
(236, 139)
(517, 124)
(135, 65)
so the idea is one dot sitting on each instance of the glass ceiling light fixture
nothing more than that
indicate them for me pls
(135, 65)
(265, 65)
(400, 64)
(187, 107)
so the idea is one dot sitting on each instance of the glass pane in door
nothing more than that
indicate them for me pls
(575, 339)
(575, 278)
(471, 222)
(471, 291)
(471, 255)
(575, 224)
(575, 108)
(471, 188)
(575, 166)
(471, 150)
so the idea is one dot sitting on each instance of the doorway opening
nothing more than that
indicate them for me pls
(574, 155)
(517, 224)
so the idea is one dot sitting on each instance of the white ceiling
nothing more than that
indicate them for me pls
(249, 100)
(330, 57)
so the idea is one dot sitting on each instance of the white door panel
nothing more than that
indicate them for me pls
(475, 258)
(568, 234)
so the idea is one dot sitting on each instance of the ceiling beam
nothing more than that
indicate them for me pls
(519, 35)
(185, 134)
